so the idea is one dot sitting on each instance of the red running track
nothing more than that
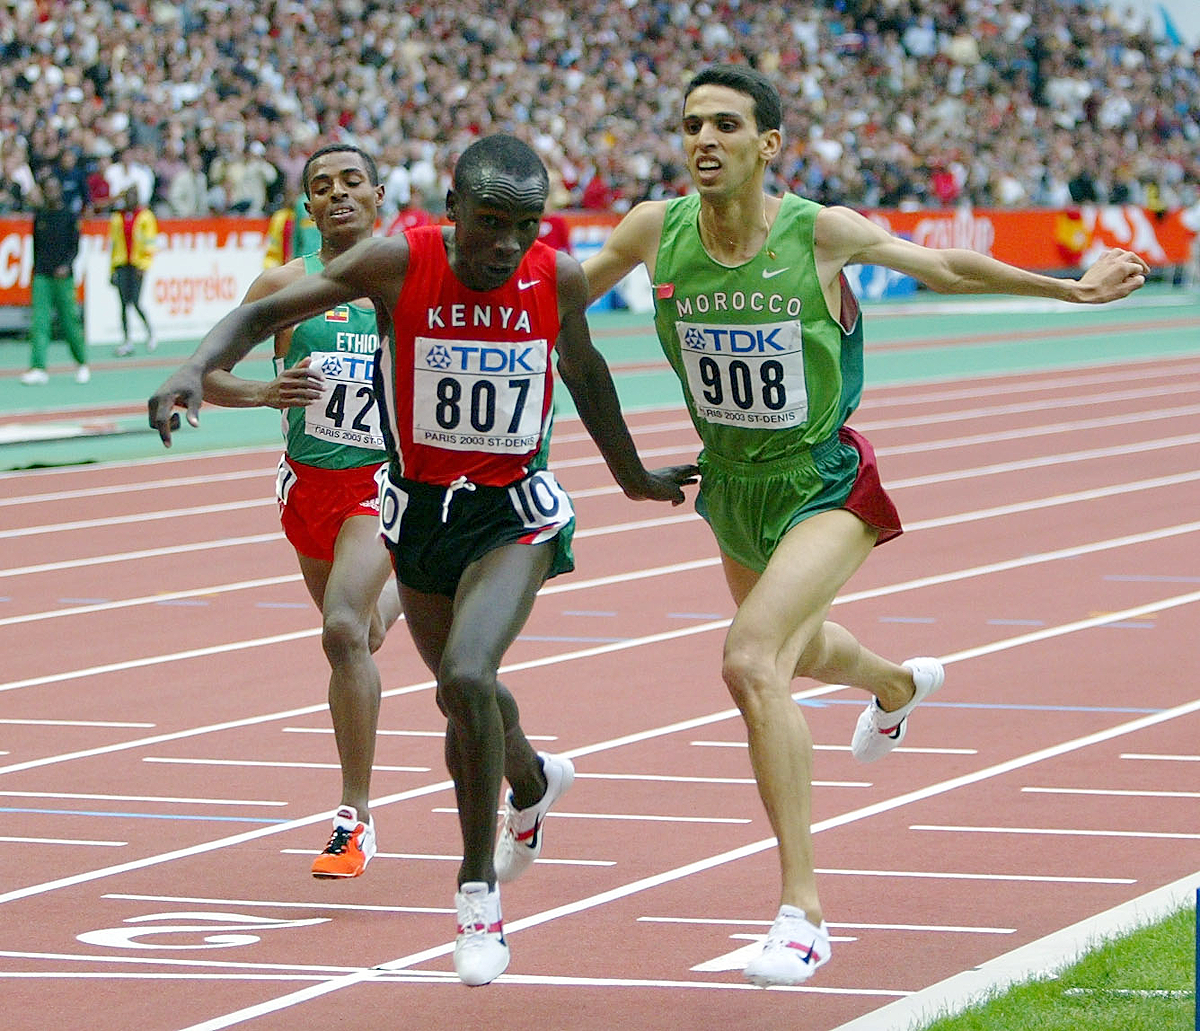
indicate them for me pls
(169, 769)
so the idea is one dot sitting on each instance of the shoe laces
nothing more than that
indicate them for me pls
(473, 919)
(339, 840)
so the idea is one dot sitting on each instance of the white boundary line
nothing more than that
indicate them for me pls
(1044, 956)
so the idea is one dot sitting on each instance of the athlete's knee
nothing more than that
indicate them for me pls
(749, 674)
(343, 633)
(466, 694)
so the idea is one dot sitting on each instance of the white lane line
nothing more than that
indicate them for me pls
(151, 599)
(279, 904)
(136, 518)
(137, 486)
(272, 764)
(146, 975)
(1153, 757)
(1054, 404)
(445, 857)
(77, 723)
(136, 556)
(438, 735)
(1053, 831)
(940, 928)
(64, 841)
(1043, 461)
(947, 875)
(844, 748)
(657, 778)
(241, 802)
(164, 961)
(1108, 792)
(632, 817)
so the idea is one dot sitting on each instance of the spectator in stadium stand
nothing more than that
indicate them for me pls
(187, 190)
(99, 193)
(409, 218)
(910, 76)
(133, 238)
(71, 174)
(1082, 187)
(128, 170)
(16, 177)
(291, 232)
(55, 247)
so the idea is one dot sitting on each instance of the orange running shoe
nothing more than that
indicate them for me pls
(351, 846)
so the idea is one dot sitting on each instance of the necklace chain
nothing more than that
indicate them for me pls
(765, 229)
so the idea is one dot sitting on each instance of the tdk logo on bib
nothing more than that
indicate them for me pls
(483, 357)
(347, 366)
(772, 339)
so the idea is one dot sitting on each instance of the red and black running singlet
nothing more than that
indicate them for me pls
(467, 379)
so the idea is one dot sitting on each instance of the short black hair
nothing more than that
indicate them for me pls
(499, 153)
(340, 148)
(768, 108)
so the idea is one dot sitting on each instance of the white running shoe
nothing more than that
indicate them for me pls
(151, 343)
(520, 840)
(480, 951)
(35, 378)
(83, 374)
(878, 732)
(793, 951)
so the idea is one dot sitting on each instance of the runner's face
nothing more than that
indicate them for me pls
(494, 229)
(721, 140)
(341, 199)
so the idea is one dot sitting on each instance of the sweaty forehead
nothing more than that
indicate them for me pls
(496, 188)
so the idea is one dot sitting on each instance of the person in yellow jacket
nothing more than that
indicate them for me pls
(133, 233)
(291, 233)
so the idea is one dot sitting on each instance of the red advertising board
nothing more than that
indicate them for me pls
(1043, 240)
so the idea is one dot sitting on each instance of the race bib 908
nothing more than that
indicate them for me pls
(751, 375)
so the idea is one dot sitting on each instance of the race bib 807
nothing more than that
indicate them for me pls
(479, 395)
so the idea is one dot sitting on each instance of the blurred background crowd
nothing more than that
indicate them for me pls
(212, 107)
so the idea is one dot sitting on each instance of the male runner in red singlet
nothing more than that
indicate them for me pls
(468, 315)
(327, 487)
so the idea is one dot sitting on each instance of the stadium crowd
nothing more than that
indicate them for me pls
(211, 106)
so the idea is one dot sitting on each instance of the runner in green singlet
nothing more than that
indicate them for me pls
(327, 491)
(756, 318)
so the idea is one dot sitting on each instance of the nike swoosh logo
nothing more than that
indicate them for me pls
(525, 284)
(771, 273)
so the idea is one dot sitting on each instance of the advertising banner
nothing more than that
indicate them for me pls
(204, 266)
(201, 270)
